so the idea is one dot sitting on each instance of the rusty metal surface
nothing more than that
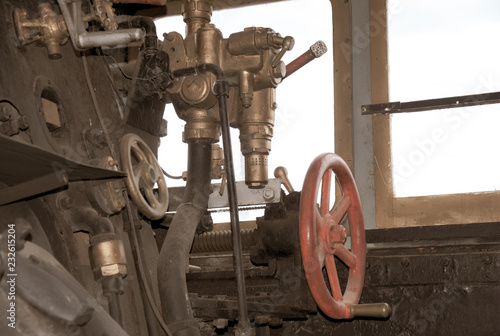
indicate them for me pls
(322, 237)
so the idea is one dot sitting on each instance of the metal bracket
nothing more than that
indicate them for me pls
(82, 39)
(271, 193)
(432, 104)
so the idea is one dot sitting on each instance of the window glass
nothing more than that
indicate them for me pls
(441, 49)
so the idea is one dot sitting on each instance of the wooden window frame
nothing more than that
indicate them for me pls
(393, 211)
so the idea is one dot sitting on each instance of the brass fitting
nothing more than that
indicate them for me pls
(199, 125)
(195, 14)
(107, 256)
(50, 29)
(256, 131)
(251, 61)
(217, 162)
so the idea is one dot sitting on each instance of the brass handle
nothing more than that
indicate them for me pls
(379, 310)
(282, 173)
(287, 44)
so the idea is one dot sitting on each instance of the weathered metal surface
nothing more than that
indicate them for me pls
(37, 186)
(19, 159)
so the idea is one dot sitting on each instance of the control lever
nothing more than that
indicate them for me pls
(282, 173)
(377, 310)
(287, 43)
(318, 49)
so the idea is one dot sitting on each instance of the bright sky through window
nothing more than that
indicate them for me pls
(441, 49)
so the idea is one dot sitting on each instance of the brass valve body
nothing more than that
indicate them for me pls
(251, 61)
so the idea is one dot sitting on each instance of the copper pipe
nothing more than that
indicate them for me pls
(318, 49)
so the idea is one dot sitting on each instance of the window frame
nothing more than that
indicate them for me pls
(391, 211)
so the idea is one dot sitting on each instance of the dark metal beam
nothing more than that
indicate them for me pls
(432, 104)
(37, 186)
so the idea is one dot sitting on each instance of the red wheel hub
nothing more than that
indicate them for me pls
(322, 237)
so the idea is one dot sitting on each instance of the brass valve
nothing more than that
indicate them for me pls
(252, 65)
(50, 29)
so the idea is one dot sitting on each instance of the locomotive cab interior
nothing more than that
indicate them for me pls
(97, 237)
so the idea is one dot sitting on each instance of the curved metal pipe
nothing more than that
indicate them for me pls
(174, 253)
(95, 223)
(151, 39)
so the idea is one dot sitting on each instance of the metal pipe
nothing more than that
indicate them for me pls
(96, 224)
(149, 305)
(115, 309)
(151, 39)
(318, 49)
(144, 278)
(176, 306)
(112, 288)
(221, 89)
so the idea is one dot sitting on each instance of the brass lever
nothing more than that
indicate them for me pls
(377, 310)
(287, 45)
(282, 173)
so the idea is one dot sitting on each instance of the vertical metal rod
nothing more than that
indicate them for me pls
(244, 322)
(115, 309)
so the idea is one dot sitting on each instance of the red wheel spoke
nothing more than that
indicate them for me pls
(325, 193)
(340, 210)
(333, 278)
(318, 220)
(345, 255)
(322, 237)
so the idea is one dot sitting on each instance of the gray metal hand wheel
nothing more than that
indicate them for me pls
(143, 173)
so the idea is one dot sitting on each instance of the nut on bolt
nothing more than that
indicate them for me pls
(268, 194)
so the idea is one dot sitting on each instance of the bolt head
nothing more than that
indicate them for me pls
(268, 194)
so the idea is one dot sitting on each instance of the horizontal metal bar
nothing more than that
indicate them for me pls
(37, 186)
(246, 196)
(432, 104)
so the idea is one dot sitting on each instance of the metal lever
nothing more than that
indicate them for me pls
(287, 44)
(377, 310)
(318, 49)
(282, 173)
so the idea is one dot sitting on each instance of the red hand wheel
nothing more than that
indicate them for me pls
(322, 237)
